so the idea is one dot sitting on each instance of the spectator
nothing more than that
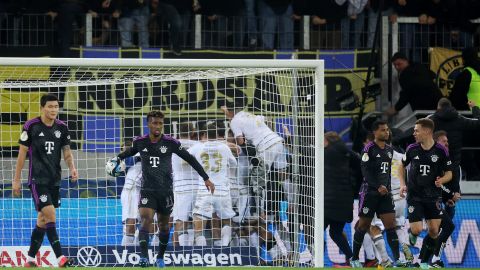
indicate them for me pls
(418, 88)
(69, 11)
(252, 29)
(373, 8)
(467, 83)
(353, 24)
(276, 14)
(338, 209)
(326, 17)
(178, 14)
(102, 12)
(133, 13)
(221, 16)
(427, 11)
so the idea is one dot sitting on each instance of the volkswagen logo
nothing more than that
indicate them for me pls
(89, 257)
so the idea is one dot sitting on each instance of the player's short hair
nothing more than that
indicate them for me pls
(46, 98)
(426, 123)
(152, 114)
(186, 129)
(211, 130)
(444, 103)
(332, 136)
(439, 133)
(377, 124)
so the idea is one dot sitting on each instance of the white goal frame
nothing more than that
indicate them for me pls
(318, 65)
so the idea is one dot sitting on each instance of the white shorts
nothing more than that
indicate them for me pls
(274, 155)
(207, 204)
(400, 206)
(129, 199)
(183, 205)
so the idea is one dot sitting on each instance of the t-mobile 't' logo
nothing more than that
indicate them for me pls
(49, 146)
(384, 167)
(154, 161)
(424, 169)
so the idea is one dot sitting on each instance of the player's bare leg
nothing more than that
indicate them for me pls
(146, 220)
(198, 227)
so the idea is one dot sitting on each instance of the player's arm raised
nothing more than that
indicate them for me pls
(17, 183)
(68, 157)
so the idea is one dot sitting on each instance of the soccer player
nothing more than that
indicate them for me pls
(268, 144)
(400, 205)
(449, 198)
(430, 168)
(185, 185)
(129, 199)
(156, 194)
(375, 193)
(44, 139)
(216, 157)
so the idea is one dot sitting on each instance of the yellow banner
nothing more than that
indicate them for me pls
(446, 64)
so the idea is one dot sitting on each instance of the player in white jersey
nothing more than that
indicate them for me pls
(216, 158)
(400, 205)
(250, 127)
(185, 186)
(129, 199)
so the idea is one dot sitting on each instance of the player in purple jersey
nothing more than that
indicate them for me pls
(430, 168)
(44, 139)
(156, 192)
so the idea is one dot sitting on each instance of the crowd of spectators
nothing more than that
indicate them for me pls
(242, 24)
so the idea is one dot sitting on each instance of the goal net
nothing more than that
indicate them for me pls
(268, 211)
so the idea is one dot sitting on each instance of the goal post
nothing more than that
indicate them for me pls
(104, 102)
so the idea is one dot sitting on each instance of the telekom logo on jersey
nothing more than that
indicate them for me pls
(49, 146)
(154, 161)
(424, 169)
(384, 167)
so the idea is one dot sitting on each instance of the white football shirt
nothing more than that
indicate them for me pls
(254, 129)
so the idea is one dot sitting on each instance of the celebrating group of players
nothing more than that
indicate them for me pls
(161, 183)
(429, 168)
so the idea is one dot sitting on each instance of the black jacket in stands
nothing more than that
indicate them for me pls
(418, 89)
(449, 120)
(338, 184)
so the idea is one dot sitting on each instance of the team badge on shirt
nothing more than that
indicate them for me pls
(434, 158)
(57, 134)
(163, 149)
(389, 155)
(24, 136)
(365, 157)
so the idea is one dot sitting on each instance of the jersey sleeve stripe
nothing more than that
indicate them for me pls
(367, 147)
(30, 123)
(413, 145)
(170, 138)
(442, 148)
(60, 122)
(30, 165)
